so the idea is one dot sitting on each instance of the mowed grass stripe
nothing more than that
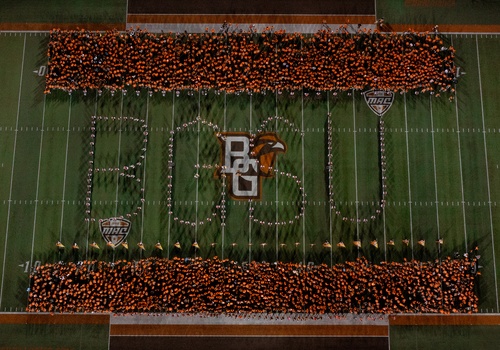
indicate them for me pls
(490, 92)
(11, 79)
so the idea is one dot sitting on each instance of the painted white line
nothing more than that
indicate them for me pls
(37, 184)
(487, 175)
(118, 160)
(65, 170)
(143, 185)
(460, 165)
(276, 181)
(223, 228)
(304, 185)
(171, 172)
(435, 172)
(409, 179)
(330, 221)
(12, 174)
(197, 170)
(250, 201)
(355, 163)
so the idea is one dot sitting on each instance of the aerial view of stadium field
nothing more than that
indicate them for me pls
(265, 174)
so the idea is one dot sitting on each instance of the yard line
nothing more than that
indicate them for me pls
(37, 185)
(408, 171)
(435, 174)
(487, 173)
(12, 172)
(304, 185)
(118, 160)
(329, 182)
(197, 170)
(170, 180)
(250, 201)
(276, 181)
(355, 164)
(65, 169)
(460, 165)
(143, 193)
(223, 228)
(90, 216)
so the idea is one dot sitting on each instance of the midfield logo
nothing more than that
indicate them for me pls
(114, 230)
(245, 161)
(379, 101)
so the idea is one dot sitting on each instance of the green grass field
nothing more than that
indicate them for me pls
(442, 171)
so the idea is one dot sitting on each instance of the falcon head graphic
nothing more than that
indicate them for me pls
(266, 147)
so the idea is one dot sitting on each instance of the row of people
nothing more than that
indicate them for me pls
(222, 286)
(249, 61)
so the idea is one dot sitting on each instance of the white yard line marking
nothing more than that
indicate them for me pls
(276, 181)
(250, 201)
(118, 160)
(487, 175)
(143, 204)
(435, 173)
(460, 165)
(12, 173)
(355, 164)
(409, 179)
(37, 184)
(65, 170)
(223, 228)
(171, 172)
(197, 170)
(304, 185)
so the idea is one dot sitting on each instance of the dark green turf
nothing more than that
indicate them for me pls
(452, 337)
(424, 164)
(60, 11)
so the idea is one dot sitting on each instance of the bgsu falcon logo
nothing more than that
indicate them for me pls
(114, 230)
(379, 101)
(244, 160)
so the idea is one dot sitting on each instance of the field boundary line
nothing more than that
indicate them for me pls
(487, 173)
(65, 169)
(12, 172)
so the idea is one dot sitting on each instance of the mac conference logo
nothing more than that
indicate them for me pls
(379, 101)
(245, 160)
(114, 230)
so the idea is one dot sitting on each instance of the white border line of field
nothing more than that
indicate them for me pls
(12, 172)
(65, 170)
(276, 217)
(487, 173)
(250, 201)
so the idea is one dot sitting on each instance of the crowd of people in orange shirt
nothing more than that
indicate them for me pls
(249, 61)
(217, 286)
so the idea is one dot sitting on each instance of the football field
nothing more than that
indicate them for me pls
(441, 162)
